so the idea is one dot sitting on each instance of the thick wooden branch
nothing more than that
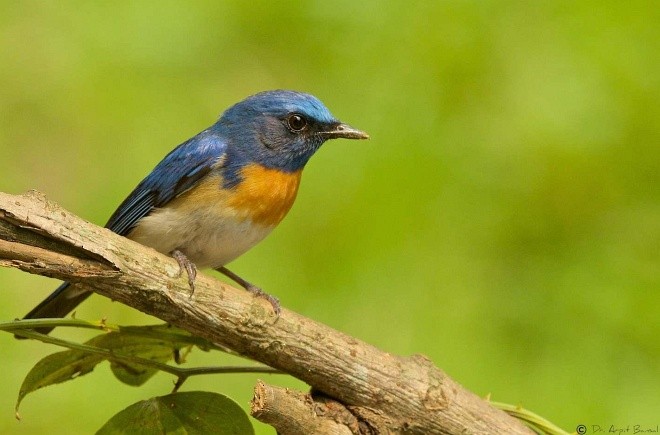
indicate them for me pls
(410, 393)
(295, 413)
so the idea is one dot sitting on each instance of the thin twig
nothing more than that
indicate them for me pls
(179, 372)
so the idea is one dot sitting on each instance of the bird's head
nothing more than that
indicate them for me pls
(282, 129)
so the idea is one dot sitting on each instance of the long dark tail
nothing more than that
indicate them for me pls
(58, 304)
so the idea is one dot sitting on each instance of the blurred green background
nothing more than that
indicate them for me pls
(504, 219)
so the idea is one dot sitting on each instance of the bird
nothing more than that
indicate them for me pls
(218, 194)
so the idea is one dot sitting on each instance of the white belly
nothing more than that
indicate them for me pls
(206, 238)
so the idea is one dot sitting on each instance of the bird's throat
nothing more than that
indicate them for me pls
(264, 195)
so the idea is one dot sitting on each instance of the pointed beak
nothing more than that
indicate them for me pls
(341, 130)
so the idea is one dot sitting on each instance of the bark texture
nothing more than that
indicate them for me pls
(383, 393)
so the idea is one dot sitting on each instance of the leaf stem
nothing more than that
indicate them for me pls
(182, 373)
(534, 421)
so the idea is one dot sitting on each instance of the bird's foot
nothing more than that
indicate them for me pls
(274, 302)
(188, 266)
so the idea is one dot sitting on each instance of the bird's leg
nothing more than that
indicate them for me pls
(188, 266)
(252, 288)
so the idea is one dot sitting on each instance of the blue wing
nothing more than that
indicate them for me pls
(180, 170)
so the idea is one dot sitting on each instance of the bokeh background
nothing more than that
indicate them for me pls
(504, 219)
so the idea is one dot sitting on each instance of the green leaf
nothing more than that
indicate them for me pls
(56, 368)
(195, 412)
(70, 364)
(172, 334)
(132, 373)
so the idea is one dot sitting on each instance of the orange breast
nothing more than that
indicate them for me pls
(265, 195)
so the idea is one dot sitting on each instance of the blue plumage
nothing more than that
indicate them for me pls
(184, 166)
(240, 125)
(200, 204)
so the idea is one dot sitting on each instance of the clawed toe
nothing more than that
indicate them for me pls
(188, 266)
(270, 298)
(252, 289)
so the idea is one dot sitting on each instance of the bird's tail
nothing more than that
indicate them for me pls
(58, 304)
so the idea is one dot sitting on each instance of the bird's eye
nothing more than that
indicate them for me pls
(296, 122)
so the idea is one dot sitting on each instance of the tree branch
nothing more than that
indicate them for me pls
(294, 413)
(410, 393)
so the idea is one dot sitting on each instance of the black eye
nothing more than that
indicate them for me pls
(296, 122)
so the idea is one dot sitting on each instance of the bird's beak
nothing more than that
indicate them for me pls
(341, 130)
